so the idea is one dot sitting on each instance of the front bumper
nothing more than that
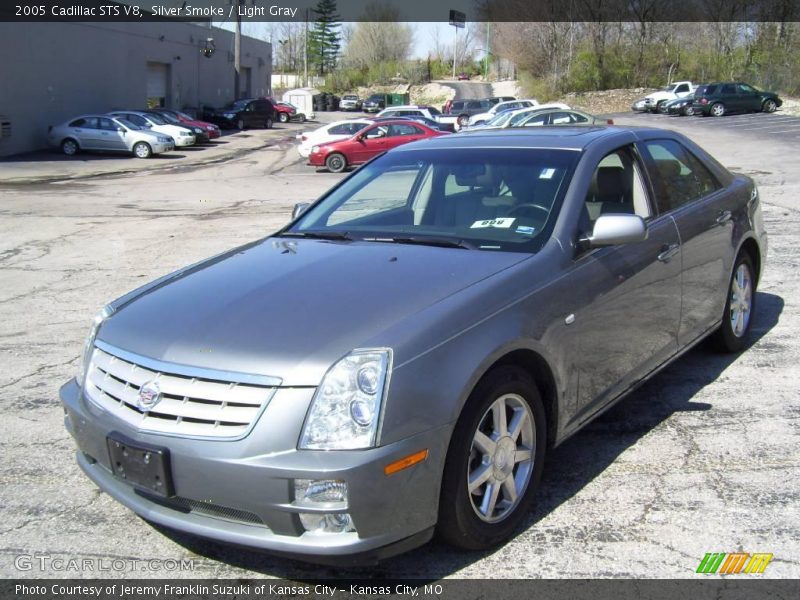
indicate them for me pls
(242, 491)
(182, 140)
(158, 147)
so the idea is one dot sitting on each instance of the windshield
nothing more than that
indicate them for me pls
(238, 105)
(183, 115)
(127, 124)
(349, 97)
(499, 119)
(498, 199)
(157, 119)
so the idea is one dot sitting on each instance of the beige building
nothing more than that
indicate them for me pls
(50, 72)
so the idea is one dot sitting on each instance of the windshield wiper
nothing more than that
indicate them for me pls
(318, 235)
(424, 241)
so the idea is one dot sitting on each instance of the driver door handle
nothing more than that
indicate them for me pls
(667, 252)
(723, 217)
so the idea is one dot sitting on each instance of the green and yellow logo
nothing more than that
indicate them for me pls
(734, 563)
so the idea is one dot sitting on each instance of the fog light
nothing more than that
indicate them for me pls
(330, 494)
(327, 522)
(327, 492)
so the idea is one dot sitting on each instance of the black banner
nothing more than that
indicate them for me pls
(406, 10)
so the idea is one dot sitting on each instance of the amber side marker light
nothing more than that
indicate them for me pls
(404, 463)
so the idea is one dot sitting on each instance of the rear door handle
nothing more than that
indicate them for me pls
(723, 217)
(667, 252)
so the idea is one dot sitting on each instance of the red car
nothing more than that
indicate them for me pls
(210, 131)
(369, 142)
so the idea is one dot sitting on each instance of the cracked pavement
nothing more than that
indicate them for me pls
(703, 458)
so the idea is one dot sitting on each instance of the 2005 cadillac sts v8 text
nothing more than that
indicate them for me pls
(397, 360)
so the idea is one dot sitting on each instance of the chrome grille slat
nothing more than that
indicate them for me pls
(189, 406)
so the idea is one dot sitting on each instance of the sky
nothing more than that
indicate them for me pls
(423, 34)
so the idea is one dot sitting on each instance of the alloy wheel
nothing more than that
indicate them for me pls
(741, 300)
(501, 458)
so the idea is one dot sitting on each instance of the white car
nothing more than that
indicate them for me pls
(483, 117)
(183, 136)
(678, 89)
(339, 130)
(510, 118)
(109, 134)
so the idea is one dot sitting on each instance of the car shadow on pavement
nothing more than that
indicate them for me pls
(569, 468)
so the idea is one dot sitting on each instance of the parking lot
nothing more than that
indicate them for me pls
(703, 458)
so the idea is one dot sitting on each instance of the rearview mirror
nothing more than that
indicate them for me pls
(613, 230)
(299, 209)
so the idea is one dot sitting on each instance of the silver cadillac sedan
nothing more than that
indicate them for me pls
(397, 360)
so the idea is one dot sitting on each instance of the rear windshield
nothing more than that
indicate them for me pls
(705, 90)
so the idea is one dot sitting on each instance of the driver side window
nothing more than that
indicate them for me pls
(617, 187)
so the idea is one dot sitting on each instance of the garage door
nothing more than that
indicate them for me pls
(157, 84)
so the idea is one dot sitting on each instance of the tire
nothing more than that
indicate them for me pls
(717, 109)
(240, 124)
(283, 117)
(469, 519)
(737, 320)
(462, 120)
(268, 123)
(301, 118)
(336, 163)
(769, 106)
(688, 111)
(659, 104)
(70, 147)
(142, 150)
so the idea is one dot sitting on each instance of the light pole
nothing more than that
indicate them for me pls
(457, 20)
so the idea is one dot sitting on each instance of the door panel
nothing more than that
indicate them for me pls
(630, 324)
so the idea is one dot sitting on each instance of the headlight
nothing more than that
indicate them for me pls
(197, 130)
(184, 134)
(314, 149)
(229, 115)
(165, 140)
(346, 410)
(88, 345)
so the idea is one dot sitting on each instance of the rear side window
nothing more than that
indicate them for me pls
(78, 123)
(706, 90)
(729, 89)
(678, 176)
(404, 129)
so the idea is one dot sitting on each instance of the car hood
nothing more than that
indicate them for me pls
(289, 308)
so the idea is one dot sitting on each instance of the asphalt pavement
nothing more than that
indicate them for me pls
(703, 458)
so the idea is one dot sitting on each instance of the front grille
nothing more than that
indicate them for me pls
(189, 406)
(207, 509)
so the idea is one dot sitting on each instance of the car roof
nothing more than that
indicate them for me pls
(561, 137)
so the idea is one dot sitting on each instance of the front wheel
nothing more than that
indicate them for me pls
(769, 106)
(494, 462)
(462, 120)
(283, 117)
(240, 124)
(268, 123)
(739, 306)
(142, 150)
(717, 110)
(689, 111)
(336, 163)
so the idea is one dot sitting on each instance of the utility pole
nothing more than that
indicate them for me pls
(488, 52)
(305, 54)
(237, 54)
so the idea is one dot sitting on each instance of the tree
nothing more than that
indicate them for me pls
(379, 37)
(324, 40)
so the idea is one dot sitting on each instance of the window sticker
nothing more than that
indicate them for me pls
(547, 173)
(526, 230)
(504, 223)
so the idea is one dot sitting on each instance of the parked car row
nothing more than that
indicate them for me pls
(715, 99)
(339, 145)
(142, 133)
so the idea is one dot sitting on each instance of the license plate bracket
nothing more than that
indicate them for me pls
(142, 465)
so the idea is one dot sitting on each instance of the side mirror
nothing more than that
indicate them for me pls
(120, 128)
(614, 229)
(359, 137)
(299, 209)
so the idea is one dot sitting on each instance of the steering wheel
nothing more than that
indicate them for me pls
(525, 208)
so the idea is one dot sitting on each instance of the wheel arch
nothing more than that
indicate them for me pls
(752, 248)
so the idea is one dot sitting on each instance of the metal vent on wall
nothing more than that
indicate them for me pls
(5, 127)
